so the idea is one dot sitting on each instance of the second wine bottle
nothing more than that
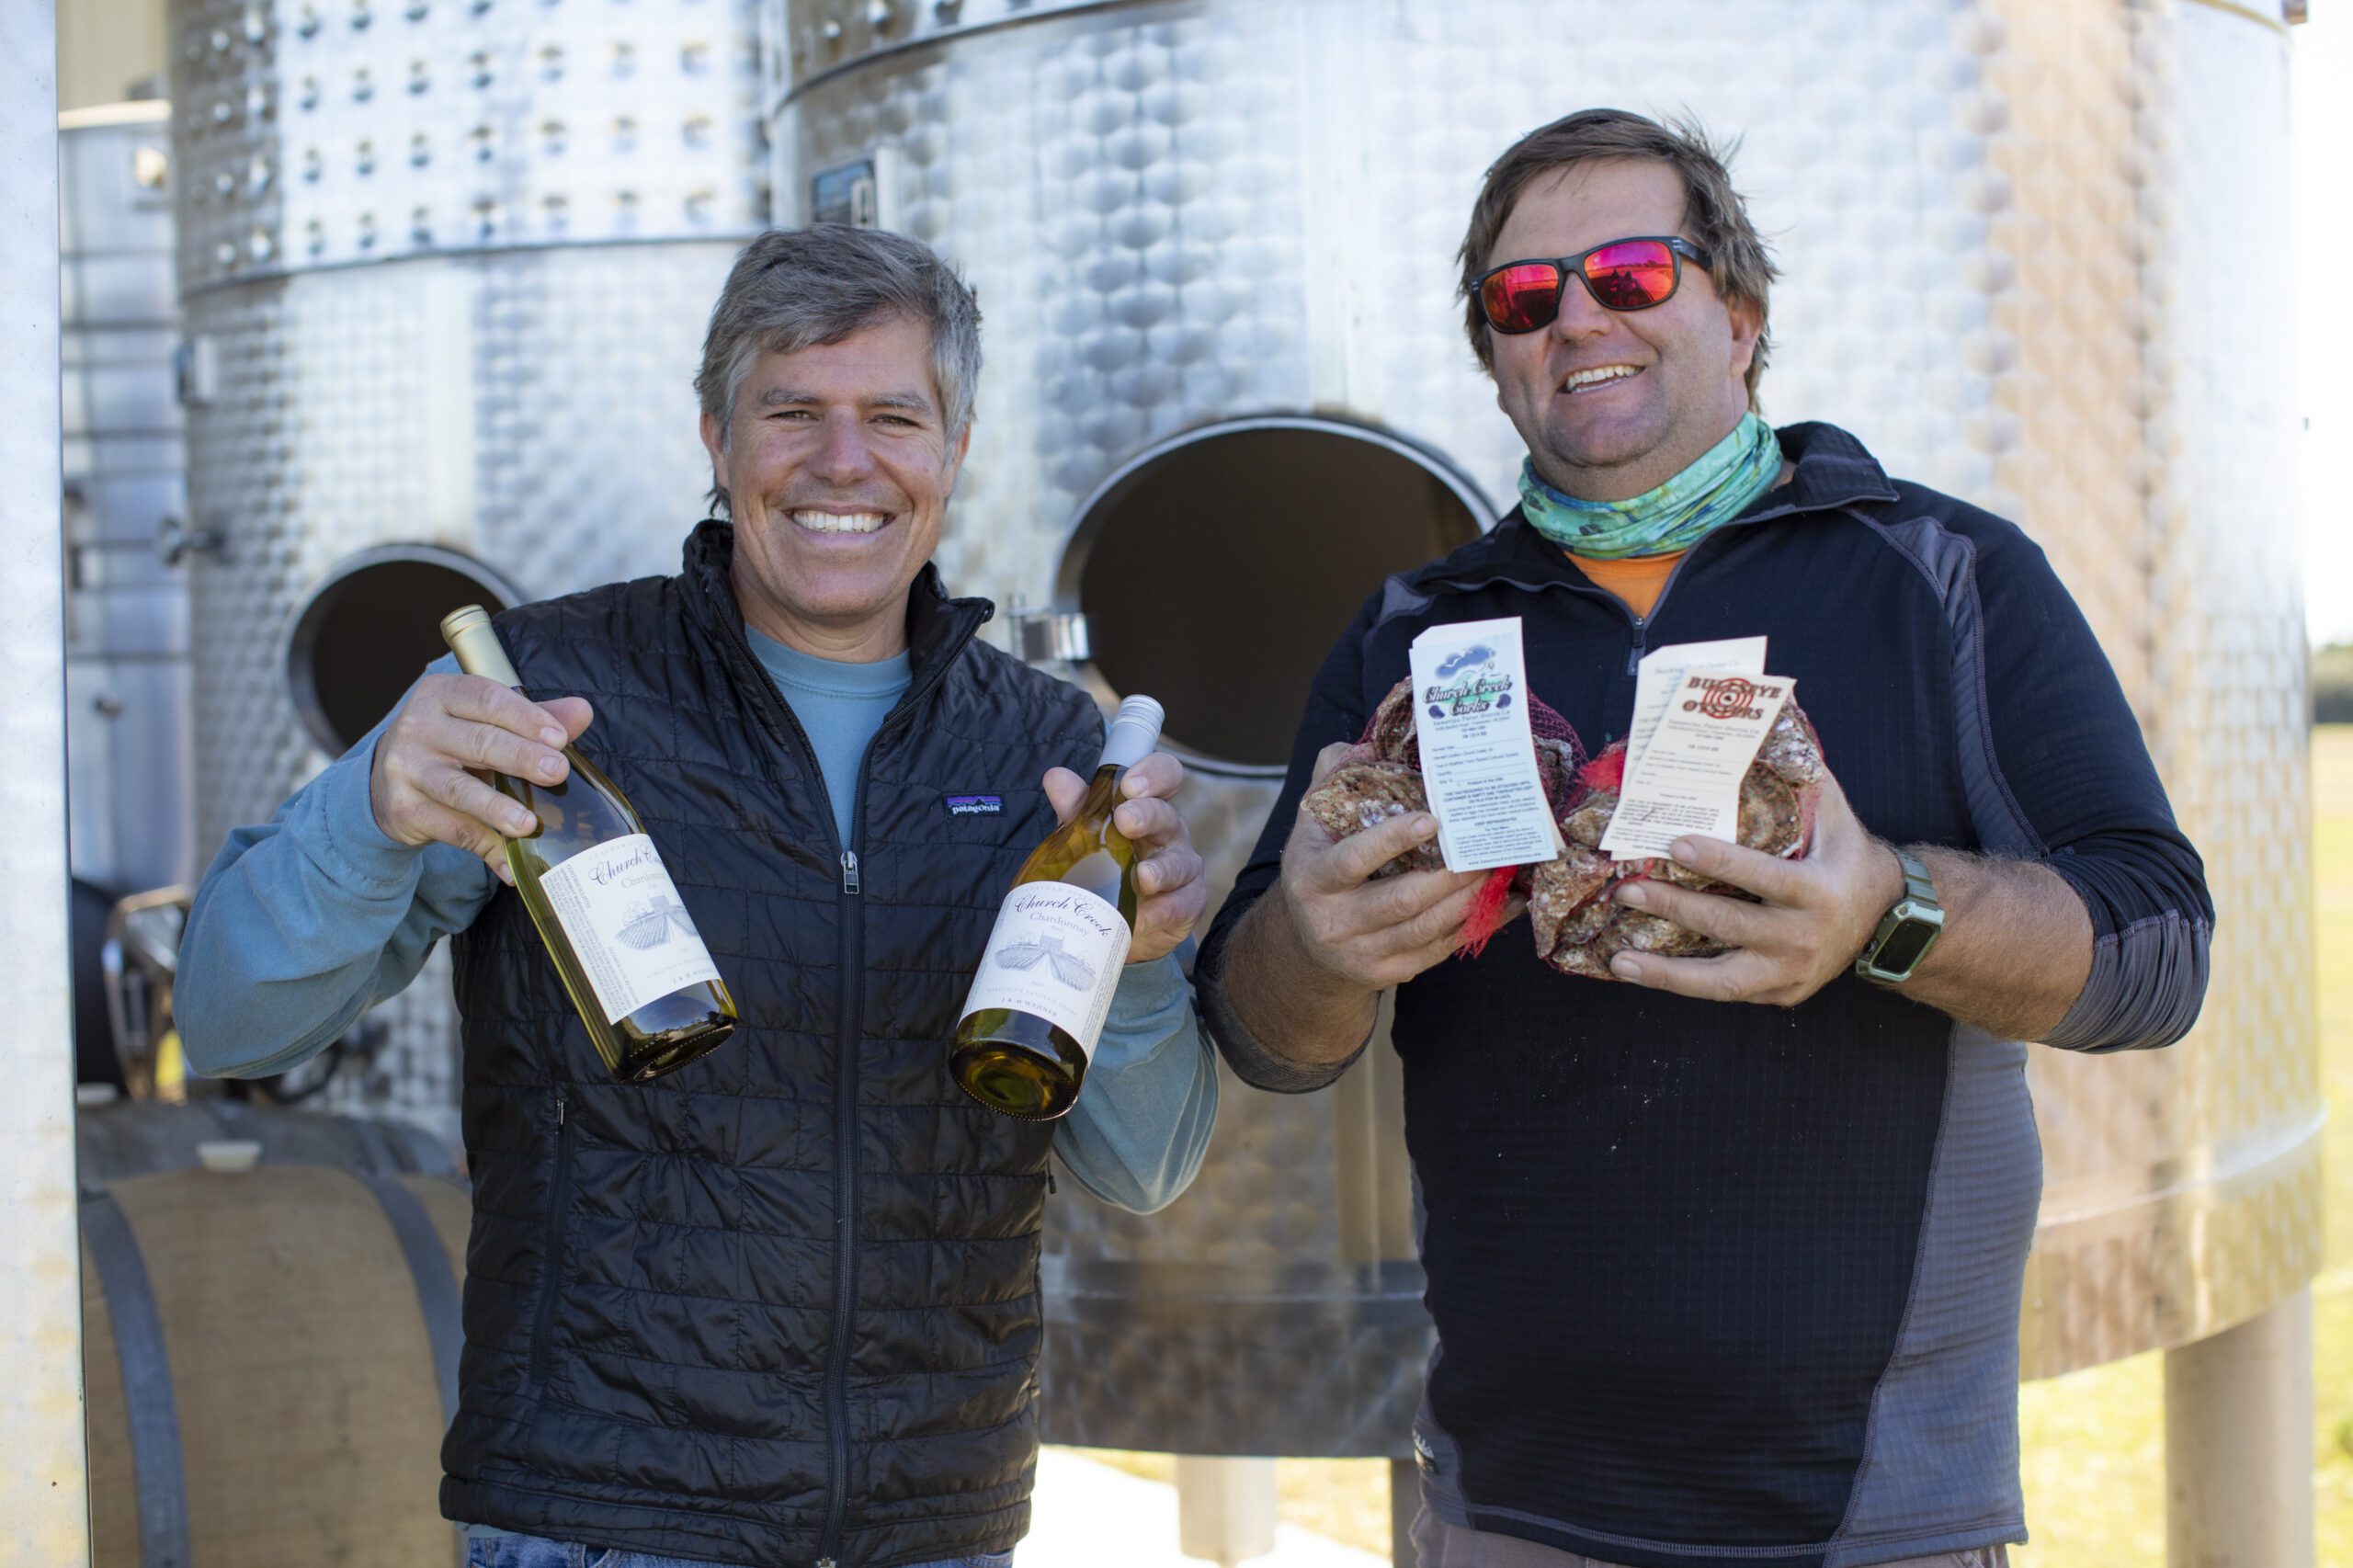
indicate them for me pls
(1044, 986)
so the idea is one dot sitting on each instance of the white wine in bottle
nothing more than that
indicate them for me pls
(627, 950)
(1045, 982)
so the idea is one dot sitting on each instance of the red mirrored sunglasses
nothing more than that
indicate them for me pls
(1623, 275)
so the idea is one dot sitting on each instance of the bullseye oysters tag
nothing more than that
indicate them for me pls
(1687, 779)
(1478, 754)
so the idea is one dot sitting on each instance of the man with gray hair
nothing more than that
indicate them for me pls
(779, 1305)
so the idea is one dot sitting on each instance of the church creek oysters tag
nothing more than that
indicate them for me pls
(1478, 754)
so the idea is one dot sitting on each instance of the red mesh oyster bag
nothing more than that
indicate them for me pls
(1381, 778)
(1579, 927)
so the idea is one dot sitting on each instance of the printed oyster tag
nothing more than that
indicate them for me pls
(1478, 754)
(627, 924)
(1055, 951)
(1688, 779)
(1661, 673)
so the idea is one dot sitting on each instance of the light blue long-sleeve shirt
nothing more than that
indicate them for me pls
(302, 924)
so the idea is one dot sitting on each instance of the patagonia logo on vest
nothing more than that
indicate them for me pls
(975, 805)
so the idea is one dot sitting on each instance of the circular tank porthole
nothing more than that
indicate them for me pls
(370, 629)
(1216, 569)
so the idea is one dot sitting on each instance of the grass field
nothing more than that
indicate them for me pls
(2093, 1441)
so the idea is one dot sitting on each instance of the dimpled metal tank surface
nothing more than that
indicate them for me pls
(2003, 227)
(445, 266)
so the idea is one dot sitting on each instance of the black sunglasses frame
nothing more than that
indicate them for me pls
(1678, 250)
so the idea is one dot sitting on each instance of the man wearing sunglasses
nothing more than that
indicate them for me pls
(1717, 1284)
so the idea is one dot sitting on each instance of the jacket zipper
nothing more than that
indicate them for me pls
(853, 928)
(558, 1200)
(853, 1007)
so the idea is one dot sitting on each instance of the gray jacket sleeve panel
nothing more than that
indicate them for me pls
(2055, 770)
(1251, 1061)
(2146, 986)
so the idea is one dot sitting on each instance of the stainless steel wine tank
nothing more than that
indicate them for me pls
(126, 505)
(2032, 256)
(444, 269)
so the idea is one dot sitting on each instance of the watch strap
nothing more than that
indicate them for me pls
(1916, 883)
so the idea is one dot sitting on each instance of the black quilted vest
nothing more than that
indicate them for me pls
(781, 1305)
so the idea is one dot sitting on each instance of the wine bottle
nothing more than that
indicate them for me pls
(622, 941)
(1045, 982)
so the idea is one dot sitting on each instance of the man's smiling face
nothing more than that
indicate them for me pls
(1612, 403)
(837, 465)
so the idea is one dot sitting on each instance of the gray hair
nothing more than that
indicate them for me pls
(794, 288)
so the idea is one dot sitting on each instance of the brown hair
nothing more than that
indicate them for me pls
(1715, 217)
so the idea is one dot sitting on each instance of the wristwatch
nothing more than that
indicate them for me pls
(1907, 931)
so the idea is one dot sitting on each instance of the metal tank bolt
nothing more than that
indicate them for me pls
(307, 96)
(697, 130)
(219, 40)
(361, 15)
(624, 60)
(478, 63)
(363, 156)
(881, 14)
(699, 204)
(256, 25)
(420, 226)
(224, 184)
(225, 255)
(624, 134)
(485, 217)
(258, 106)
(483, 140)
(224, 111)
(363, 85)
(551, 63)
(367, 231)
(693, 59)
(262, 244)
(259, 174)
(947, 10)
(417, 10)
(552, 138)
(420, 150)
(307, 24)
(315, 236)
(313, 166)
(420, 76)
(555, 210)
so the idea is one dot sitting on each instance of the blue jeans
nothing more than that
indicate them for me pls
(536, 1552)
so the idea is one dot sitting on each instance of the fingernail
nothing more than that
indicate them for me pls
(1625, 968)
(1425, 827)
(551, 768)
(1632, 895)
(1685, 851)
(552, 735)
(522, 821)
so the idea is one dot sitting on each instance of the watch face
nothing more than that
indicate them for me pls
(1904, 946)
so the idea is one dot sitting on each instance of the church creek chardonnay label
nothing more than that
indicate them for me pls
(1055, 953)
(628, 925)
